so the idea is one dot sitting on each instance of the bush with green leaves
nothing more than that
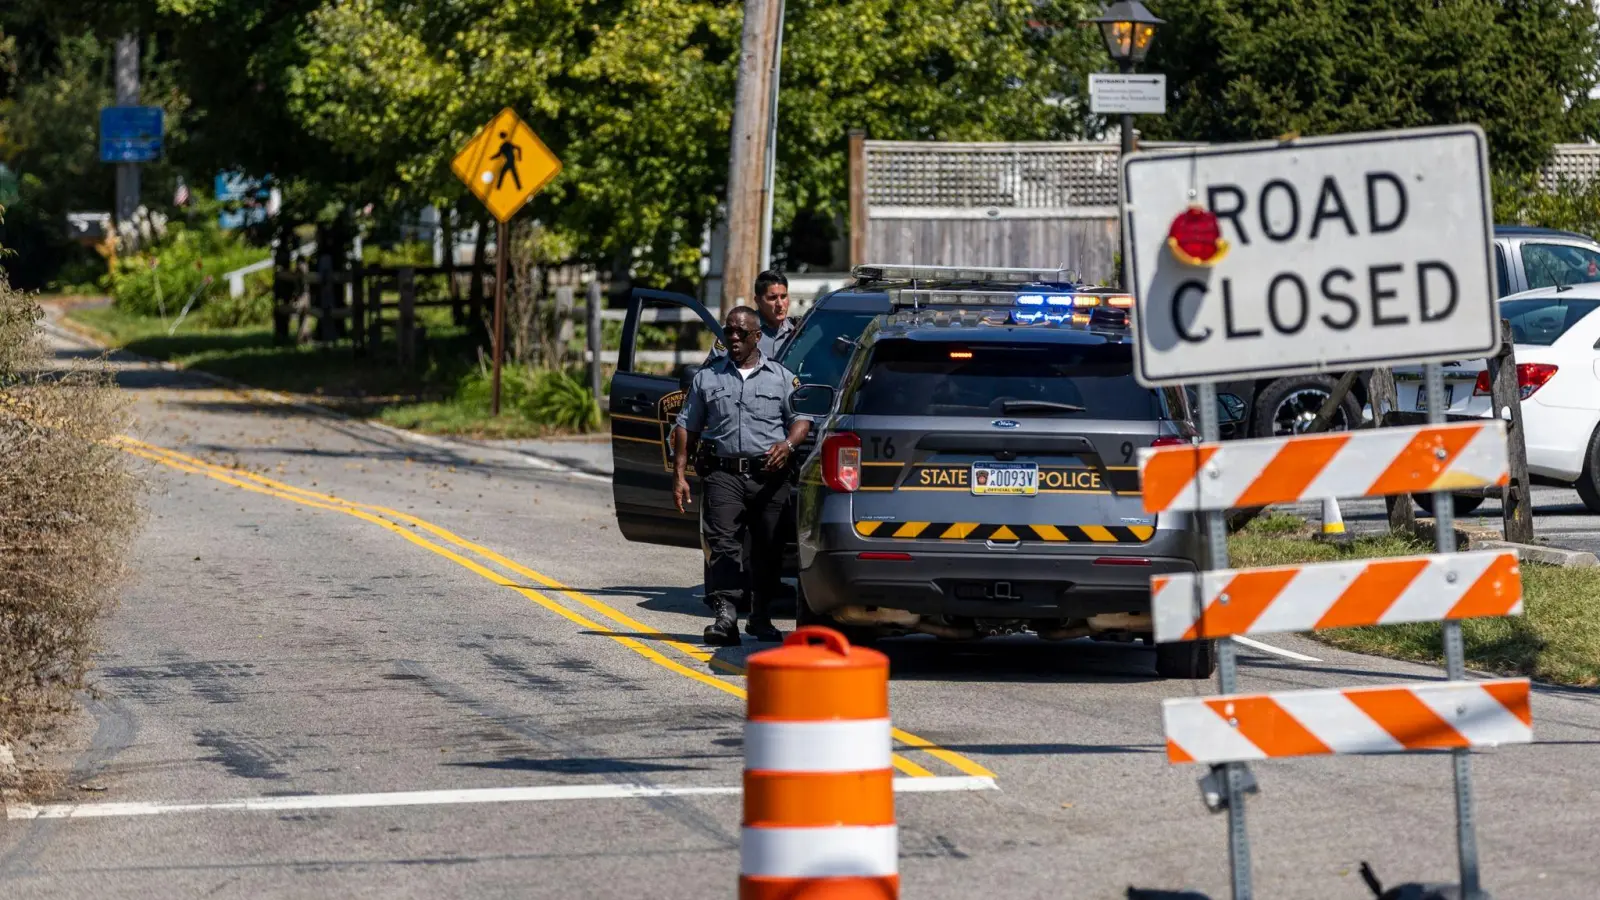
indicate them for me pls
(189, 265)
(559, 399)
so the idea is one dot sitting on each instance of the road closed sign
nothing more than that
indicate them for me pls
(1345, 252)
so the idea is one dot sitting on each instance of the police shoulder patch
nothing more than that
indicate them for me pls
(797, 381)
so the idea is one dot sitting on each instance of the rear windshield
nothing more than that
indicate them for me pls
(1543, 320)
(909, 378)
(815, 354)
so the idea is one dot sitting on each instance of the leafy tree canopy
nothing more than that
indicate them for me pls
(1244, 69)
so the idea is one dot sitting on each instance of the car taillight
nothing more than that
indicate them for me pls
(841, 461)
(1169, 440)
(1530, 377)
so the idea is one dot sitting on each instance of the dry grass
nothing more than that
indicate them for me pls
(68, 511)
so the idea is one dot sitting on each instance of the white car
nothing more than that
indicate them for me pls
(1556, 333)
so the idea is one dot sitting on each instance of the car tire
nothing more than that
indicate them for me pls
(1284, 407)
(1588, 483)
(1186, 659)
(1463, 504)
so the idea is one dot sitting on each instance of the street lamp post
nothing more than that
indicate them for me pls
(1128, 29)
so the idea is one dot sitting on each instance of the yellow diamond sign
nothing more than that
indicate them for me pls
(505, 164)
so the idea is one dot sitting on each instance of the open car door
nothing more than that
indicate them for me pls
(646, 393)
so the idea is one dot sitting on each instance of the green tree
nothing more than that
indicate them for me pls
(1246, 69)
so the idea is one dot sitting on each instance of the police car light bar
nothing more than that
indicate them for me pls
(978, 274)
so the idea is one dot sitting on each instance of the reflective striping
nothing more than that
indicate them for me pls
(1386, 719)
(818, 799)
(1047, 532)
(1368, 463)
(980, 531)
(820, 695)
(819, 852)
(1336, 595)
(885, 887)
(829, 746)
(1098, 533)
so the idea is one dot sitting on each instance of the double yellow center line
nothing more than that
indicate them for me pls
(394, 520)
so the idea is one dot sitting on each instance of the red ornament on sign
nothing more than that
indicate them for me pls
(1196, 237)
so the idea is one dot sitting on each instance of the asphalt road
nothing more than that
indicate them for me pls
(526, 695)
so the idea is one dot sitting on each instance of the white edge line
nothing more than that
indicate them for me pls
(1275, 651)
(544, 793)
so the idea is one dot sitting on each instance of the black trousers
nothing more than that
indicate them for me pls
(735, 504)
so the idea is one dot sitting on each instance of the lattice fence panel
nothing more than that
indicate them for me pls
(1011, 176)
(1571, 162)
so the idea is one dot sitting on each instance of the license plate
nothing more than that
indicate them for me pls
(1005, 478)
(1422, 397)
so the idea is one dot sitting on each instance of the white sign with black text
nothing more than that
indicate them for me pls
(1111, 94)
(1345, 252)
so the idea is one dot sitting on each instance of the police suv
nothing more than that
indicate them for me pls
(975, 471)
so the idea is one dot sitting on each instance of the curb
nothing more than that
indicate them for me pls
(1548, 556)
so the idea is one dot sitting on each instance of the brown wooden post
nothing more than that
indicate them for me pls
(327, 329)
(563, 326)
(1515, 503)
(1384, 397)
(594, 336)
(858, 198)
(283, 286)
(475, 282)
(406, 337)
(375, 304)
(458, 312)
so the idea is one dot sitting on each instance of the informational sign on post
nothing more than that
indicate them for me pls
(1111, 94)
(130, 134)
(1334, 253)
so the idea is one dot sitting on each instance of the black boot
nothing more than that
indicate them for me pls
(724, 632)
(759, 625)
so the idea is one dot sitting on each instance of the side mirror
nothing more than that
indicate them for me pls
(843, 345)
(1230, 409)
(812, 400)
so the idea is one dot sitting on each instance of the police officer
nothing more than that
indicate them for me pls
(738, 405)
(772, 301)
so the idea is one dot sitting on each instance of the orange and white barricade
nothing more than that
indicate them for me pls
(1368, 463)
(818, 785)
(1310, 597)
(1389, 719)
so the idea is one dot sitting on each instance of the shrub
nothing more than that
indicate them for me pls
(549, 397)
(68, 512)
(189, 264)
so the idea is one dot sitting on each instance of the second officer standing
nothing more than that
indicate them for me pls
(738, 405)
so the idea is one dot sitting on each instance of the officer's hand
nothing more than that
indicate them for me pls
(681, 494)
(777, 456)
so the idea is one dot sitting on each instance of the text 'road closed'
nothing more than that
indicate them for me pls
(1343, 252)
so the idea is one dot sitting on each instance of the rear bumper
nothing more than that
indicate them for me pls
(982, 584)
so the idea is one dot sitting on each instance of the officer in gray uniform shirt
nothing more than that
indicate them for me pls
(772, 301)
(738, 408)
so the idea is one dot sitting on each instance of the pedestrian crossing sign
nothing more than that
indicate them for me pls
(505, 164)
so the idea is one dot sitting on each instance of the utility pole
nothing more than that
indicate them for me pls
(127, 75)
(772, 146)
(748, 152)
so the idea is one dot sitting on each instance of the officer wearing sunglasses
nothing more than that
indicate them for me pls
(738, 405)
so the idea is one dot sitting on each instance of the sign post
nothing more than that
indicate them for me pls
(504, 165)
(1260, 260)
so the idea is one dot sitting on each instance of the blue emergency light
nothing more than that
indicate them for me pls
(1034, 308)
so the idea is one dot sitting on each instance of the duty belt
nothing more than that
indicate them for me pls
(741, 465)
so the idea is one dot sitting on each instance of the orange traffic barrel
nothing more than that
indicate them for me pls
(818, 783)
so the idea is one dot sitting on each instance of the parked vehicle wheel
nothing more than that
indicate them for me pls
(1186, 659)
(1288, 406)
(1588, 483)
(1463, 504)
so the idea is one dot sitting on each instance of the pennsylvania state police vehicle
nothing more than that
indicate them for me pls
(976, 470)
(925, 382)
